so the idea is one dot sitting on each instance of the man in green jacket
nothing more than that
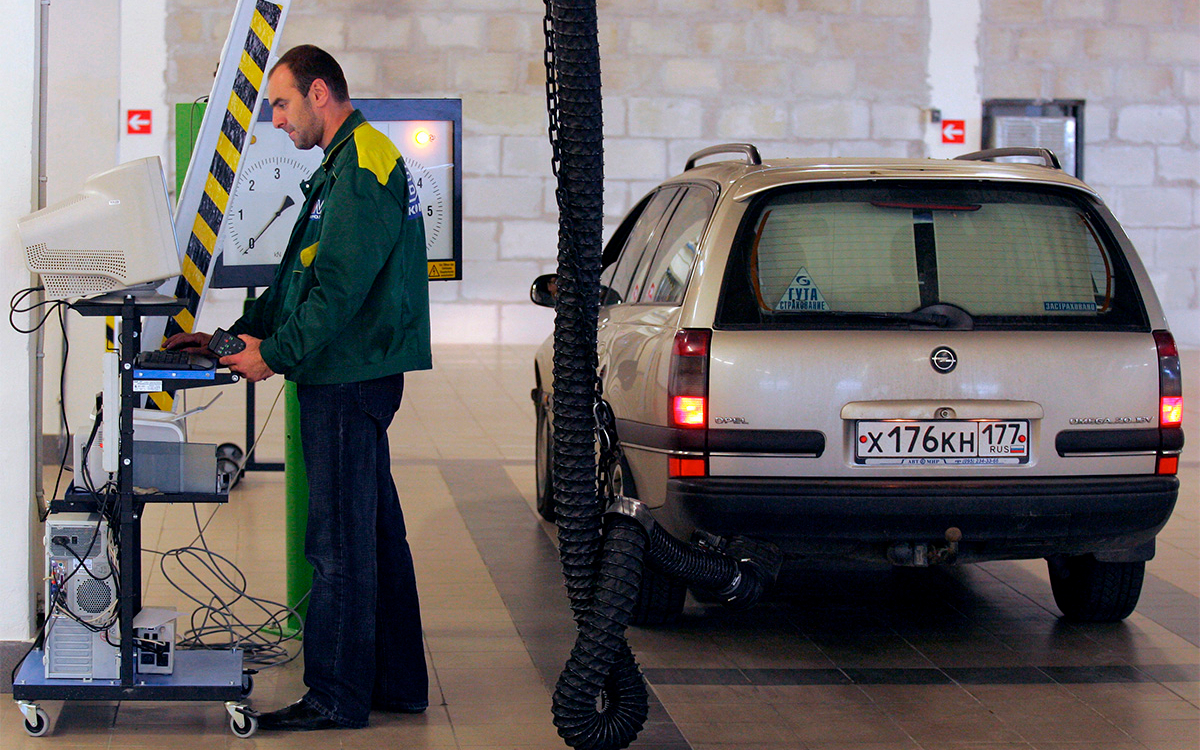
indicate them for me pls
(345, 317)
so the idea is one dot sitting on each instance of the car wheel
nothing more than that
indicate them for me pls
(1088, 590)
(660, 599)
(620, 481)
(543, 459)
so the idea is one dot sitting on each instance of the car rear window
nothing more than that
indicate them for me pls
(875, 254)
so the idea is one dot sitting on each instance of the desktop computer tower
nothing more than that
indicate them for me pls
(80, 582)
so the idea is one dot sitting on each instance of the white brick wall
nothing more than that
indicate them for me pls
(1152, 123)
(1137, 65)
(797, 77)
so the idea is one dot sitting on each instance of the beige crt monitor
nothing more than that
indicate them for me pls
(116, 234)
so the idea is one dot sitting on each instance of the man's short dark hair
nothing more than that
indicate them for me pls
(308, 63)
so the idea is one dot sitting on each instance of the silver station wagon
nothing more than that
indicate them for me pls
(905, 362)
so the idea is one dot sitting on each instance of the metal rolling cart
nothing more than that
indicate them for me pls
(215, 675)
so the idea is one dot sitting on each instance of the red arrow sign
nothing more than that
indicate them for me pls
(137, 122)
(954, 131)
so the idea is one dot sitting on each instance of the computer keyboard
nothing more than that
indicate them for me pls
(170, 360)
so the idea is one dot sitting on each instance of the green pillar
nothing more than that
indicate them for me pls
(299, 572)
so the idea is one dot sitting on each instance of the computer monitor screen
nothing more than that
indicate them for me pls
(115, 234)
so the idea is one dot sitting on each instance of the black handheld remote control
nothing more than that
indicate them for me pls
(224, 343)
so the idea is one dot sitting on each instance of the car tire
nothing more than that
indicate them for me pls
(543, 460)
(1088, 590)
(660, 599)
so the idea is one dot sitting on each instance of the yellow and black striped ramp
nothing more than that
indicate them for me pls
(235, 125)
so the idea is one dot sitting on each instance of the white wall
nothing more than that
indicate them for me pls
(81, 139)
(1136, 63)
(796, 77)
(18, 66)
(954, 84)
(143, 85)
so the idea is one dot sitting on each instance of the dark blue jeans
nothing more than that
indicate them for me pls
(362, 635)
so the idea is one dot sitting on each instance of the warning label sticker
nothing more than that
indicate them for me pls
(442, 269)
(802, 295)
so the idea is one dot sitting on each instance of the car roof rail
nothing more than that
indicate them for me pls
(1045, 154)
(747, 150)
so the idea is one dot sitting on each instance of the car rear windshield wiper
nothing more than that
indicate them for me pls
(921, 318)
(936, 316)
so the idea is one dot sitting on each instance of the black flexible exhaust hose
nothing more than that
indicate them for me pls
(578, 148)
(739, 580)
(739, 572)
(600, 701)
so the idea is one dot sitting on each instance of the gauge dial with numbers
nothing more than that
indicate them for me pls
(433, 193)
(263, 208)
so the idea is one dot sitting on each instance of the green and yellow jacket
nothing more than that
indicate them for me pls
(350, 299)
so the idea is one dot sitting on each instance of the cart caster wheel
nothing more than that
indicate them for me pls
(229, 471)
(230, 450)
(39, 726)
(244, 728)
(247, 685)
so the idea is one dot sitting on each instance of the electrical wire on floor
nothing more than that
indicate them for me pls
(213, 624)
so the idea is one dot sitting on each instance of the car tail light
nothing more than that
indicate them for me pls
(687, 467)
(1172, 411)
(1167, 465)
(1170, 397)
(688, 411)
(688, 389)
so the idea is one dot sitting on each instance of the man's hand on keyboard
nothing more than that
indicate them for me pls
(195, 343)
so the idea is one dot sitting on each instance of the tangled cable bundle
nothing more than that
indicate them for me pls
(214, 624)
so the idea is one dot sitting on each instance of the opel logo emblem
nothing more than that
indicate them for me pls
(943, 359)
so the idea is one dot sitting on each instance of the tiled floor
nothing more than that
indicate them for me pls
(974, 657)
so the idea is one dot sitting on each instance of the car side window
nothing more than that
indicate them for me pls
(667, 274)
(644, 234)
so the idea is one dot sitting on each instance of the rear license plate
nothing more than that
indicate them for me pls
(943, 443)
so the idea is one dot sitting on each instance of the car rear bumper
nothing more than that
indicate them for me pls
(999, 519)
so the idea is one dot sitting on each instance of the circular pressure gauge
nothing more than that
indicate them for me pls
(433, 202)
(263, 208)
